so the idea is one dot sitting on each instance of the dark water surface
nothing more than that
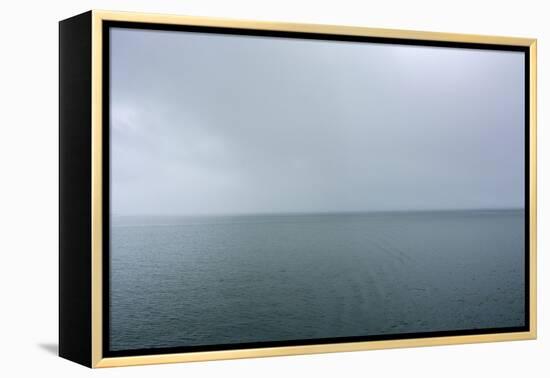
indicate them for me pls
(190, 281)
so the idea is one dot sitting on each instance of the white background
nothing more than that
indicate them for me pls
(29, 190)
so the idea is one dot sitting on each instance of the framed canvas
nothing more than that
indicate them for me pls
(236, 189)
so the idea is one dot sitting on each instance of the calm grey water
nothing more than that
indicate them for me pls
(189, 281)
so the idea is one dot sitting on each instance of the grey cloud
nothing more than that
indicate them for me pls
(204, 123)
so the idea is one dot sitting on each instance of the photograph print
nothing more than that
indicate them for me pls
(271, 189)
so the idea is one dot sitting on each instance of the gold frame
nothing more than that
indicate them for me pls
(97, 301)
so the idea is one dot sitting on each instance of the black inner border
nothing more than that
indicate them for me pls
(106, 25)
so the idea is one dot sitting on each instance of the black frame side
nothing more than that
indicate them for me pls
(75, 195)
(107, 352)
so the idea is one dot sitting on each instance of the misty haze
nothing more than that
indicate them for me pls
(277, 189)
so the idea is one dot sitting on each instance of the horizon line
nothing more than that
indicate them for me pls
(327, 212)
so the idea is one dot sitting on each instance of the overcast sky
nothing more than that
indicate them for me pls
(215, 124)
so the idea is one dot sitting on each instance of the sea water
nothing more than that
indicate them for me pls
(208, 280)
